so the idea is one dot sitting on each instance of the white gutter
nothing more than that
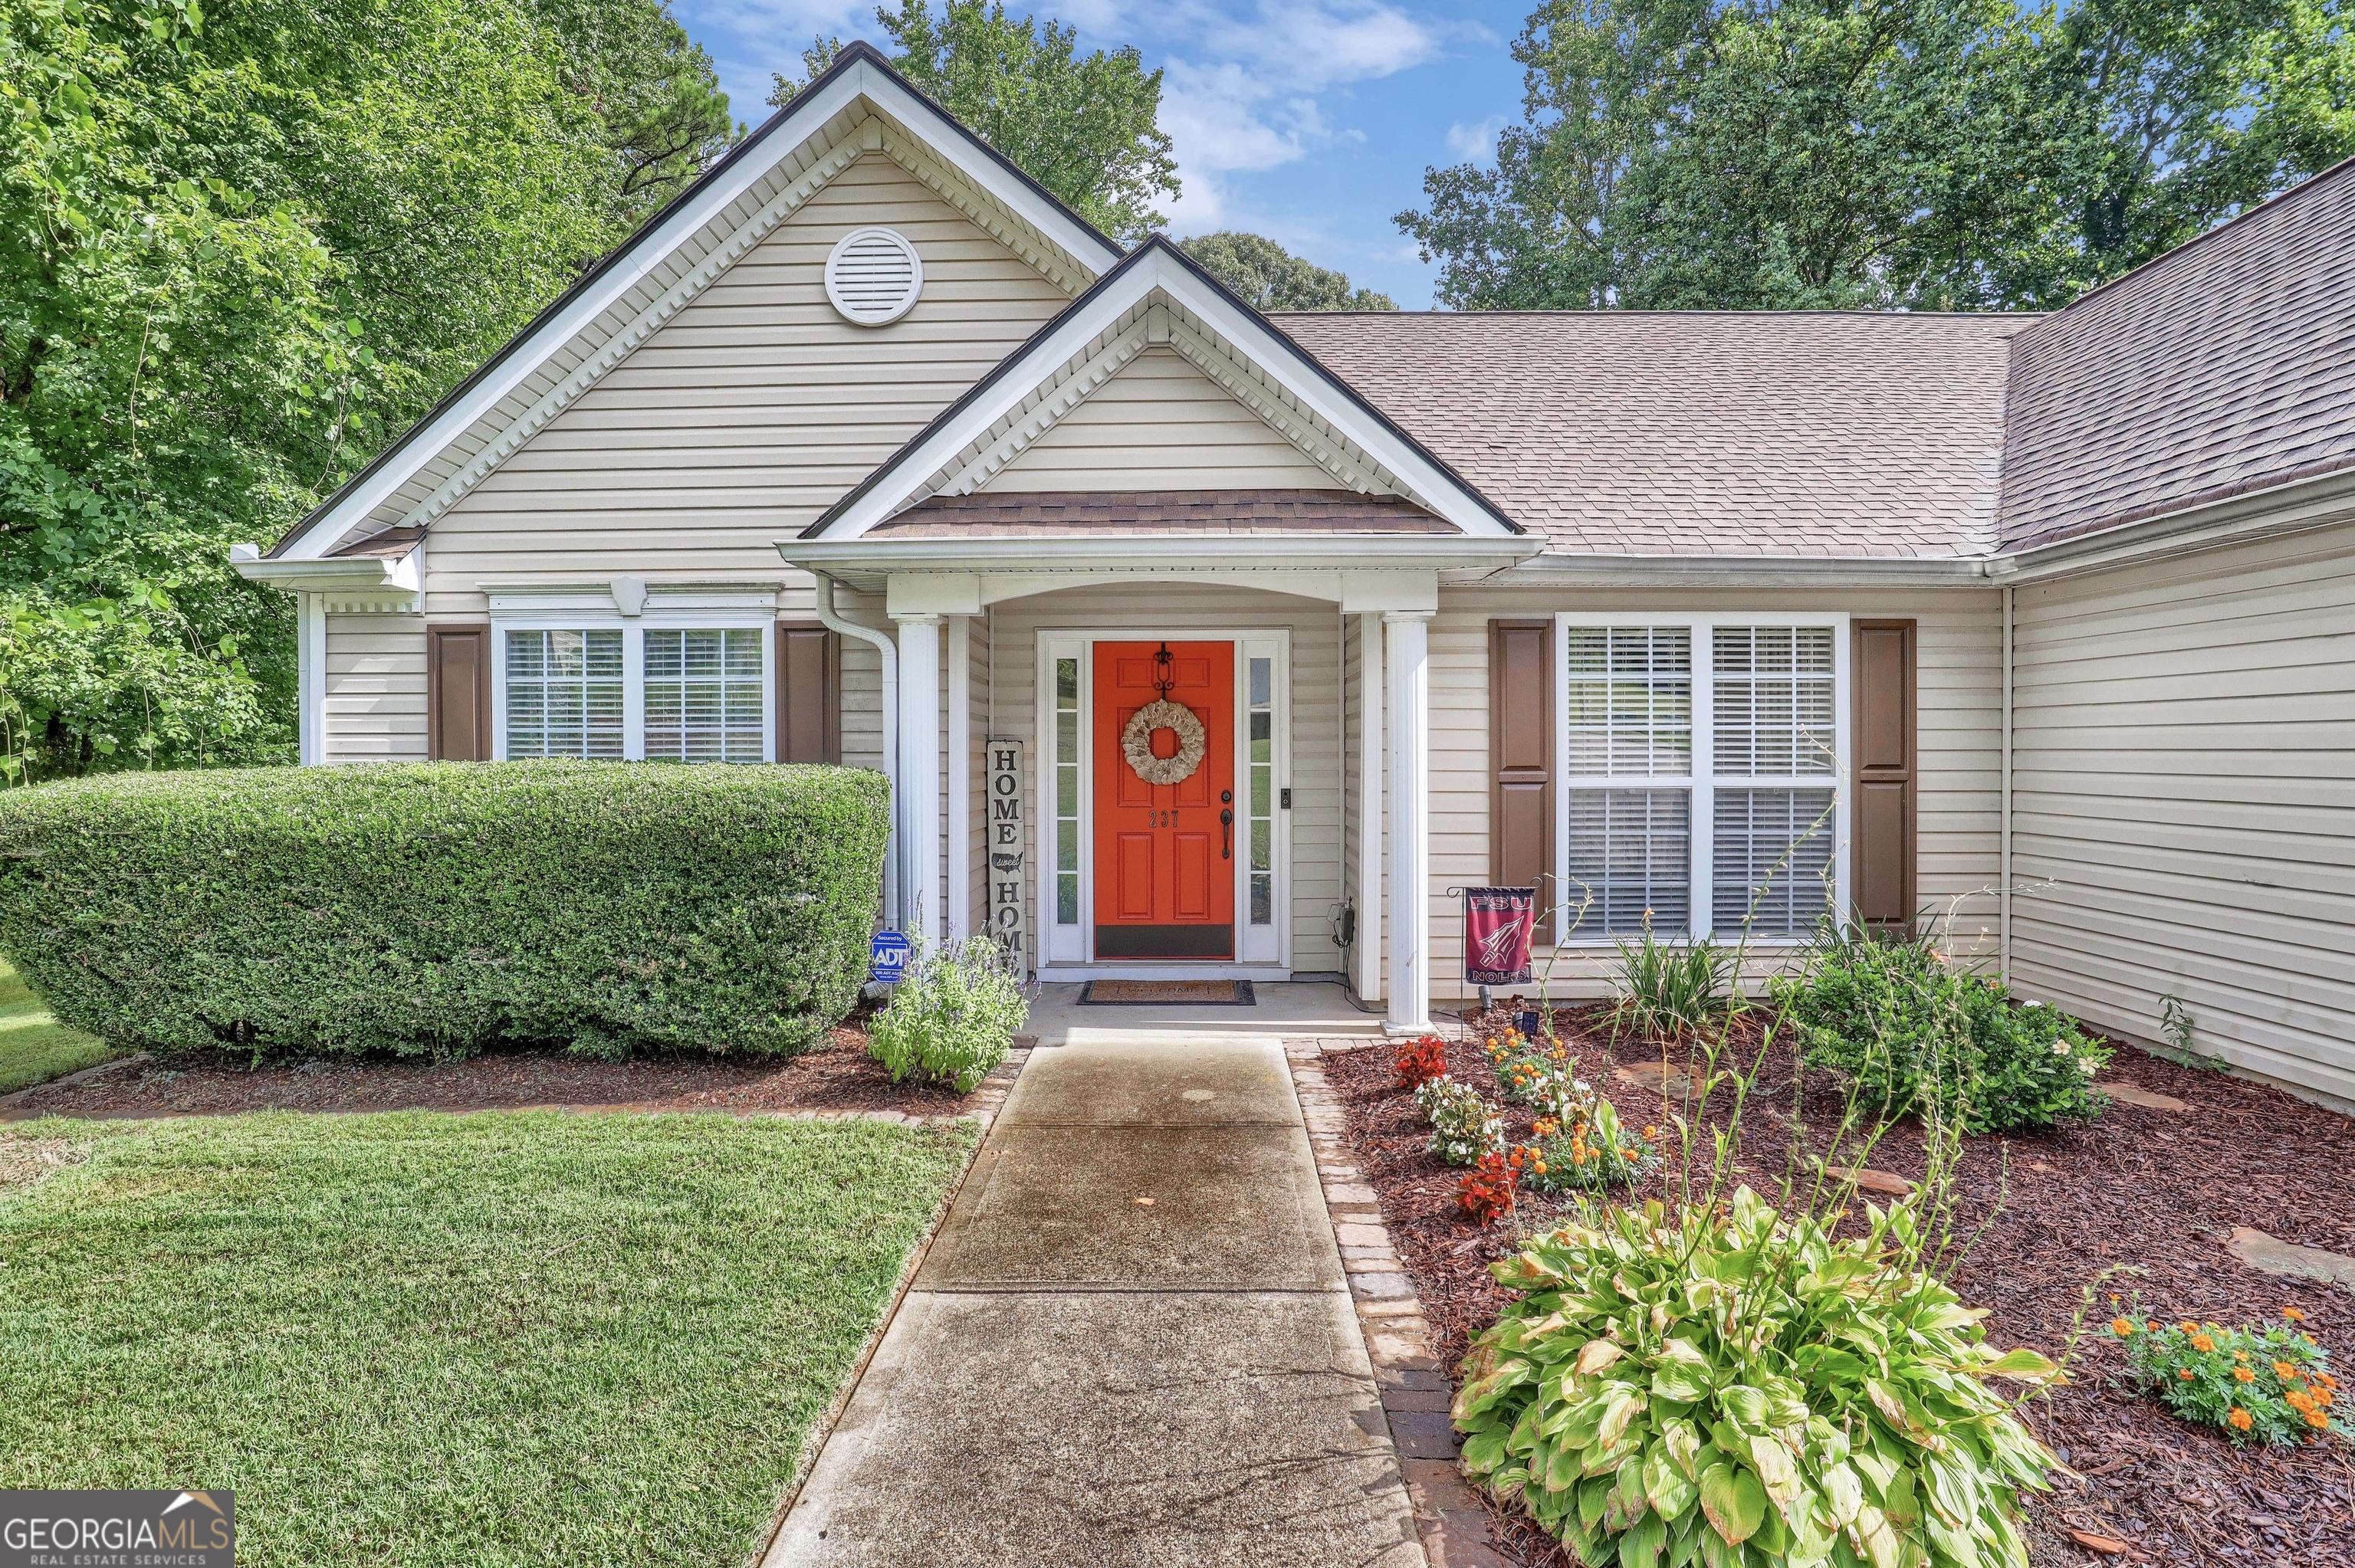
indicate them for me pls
(832, 621)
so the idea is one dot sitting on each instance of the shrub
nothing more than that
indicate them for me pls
(1670, 990)
(1587, 1149)
(1737, 1389)
(439, 909)
(1420, 1060)
(1907, 1027)
(2268, 1384)
(1539, 1074)
(1485, 1193)
(1463, 1128)
(953, 1018)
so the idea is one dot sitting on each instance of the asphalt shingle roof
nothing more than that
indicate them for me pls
(1826, 434)
(2225, 366)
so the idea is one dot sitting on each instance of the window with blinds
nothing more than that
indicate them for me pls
(564, 693)
(1629, 725)
(705, 694)
(1700, 789)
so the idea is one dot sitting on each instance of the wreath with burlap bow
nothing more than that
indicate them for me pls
(1136, 742)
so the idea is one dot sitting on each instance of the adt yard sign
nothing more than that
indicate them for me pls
(888, 956)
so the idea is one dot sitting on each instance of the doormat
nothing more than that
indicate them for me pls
(1149, 993)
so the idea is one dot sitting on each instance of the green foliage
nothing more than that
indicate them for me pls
(1671, 991)
(1901, 153)
(2268, 1384)
(237, 252)
(953, 1018)
(1270, 278)
(444, 908)
(1729, 1388)
(1084, 126)
(1463, 1128)
(1908, 1027)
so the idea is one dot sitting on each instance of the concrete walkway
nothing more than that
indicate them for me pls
(1080, 1376)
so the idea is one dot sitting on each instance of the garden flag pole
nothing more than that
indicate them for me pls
(1497, 926)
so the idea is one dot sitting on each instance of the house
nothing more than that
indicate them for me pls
(868, 450)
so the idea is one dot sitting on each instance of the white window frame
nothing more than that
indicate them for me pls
(1257, 947)
(595, 610)
(1701, 784)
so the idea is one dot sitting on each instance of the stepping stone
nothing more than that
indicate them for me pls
(2126, 1093)
(1872, 1180)
(1657, 1076)
(2289, 1260)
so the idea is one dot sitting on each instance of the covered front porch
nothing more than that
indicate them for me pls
(1042, 799)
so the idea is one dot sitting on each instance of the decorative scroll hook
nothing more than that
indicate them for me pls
(1165, 677)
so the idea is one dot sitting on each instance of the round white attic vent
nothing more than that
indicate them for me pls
(873, 277)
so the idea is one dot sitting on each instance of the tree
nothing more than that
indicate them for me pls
(1086, 127)
(235, 255)
(1923, 153)
(1270, 278)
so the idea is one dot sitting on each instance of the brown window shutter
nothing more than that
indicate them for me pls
(1520, 759)
(458, 692)
(809, 679)
(1882, 841)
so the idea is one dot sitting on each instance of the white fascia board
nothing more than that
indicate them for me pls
(651, 250)
(1258, 344)
(335, 575)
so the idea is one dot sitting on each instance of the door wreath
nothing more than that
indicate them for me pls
(1136, 742)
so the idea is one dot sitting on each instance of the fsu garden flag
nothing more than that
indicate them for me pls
(1497, 925)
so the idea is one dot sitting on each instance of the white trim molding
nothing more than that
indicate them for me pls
(1407, 666)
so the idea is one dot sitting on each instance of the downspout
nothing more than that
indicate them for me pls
(2003, 891)
(833, 621)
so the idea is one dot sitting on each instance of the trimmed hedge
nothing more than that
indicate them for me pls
(439, 909)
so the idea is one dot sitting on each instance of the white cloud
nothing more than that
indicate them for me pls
(1477, 142)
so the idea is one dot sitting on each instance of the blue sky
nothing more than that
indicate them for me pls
(1310, 122)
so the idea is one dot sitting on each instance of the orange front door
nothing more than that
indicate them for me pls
(1165, 859)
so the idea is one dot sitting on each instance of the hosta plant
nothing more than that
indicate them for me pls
(1463, 1128)
(1727, 1387)
(2268, 1384)
(1588, 1149)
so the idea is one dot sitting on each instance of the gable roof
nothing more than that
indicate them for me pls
(1175, 513)
(672, 256)
(1085, 345)
(1830, 434)
(2225, 365)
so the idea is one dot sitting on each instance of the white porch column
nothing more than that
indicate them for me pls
(1410, 892)
(920, 773)
(960, 796)
(311, 678)
(1371, 762)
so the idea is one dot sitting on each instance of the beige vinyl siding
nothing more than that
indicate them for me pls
(1161, 424)
(375, 689)
(748, 414)
(2184, 774)
(1959, 682)
(1155, 608)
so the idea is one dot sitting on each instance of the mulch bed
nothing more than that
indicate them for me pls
(2136, 1189)
(836, 1075)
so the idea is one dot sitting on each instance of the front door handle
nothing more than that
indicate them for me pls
(1226, 835)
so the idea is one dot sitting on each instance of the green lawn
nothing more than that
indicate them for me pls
(35, 1048)
(519, 1338)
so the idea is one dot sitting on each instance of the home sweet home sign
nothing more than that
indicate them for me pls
(1002, 846)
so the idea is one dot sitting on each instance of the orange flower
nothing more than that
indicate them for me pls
(2243, 1375)
(2152, 1326)
(2284, 1372)
(2121, 1328)
(1651, 1132)
(2183, 1372)
(2293, 1314)
(2296, 1401)
(2326, 1399)
(2241, 1419)
(2324, 1380)
(2188, 1328)
(2316, 1419)
(2202, 1343)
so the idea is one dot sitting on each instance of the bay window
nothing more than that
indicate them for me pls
(1701, 759)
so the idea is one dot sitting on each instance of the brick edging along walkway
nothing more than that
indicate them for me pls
(1415, 1389)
